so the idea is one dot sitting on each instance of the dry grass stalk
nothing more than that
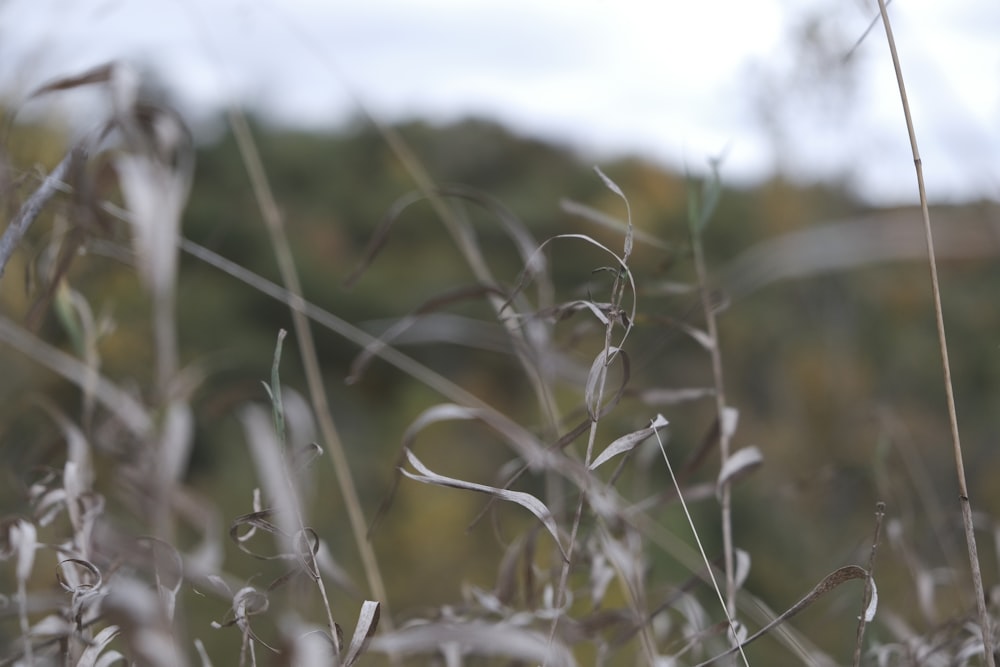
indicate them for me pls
(963, 491)
(310, 360)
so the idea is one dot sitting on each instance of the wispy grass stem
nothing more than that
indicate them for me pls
(310, 360)
(963, 491)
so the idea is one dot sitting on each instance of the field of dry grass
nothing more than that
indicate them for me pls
(111, 548)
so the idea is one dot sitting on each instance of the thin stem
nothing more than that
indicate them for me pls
(32, 208)
(291, 492)
(869, 583)
(963, 491)
(648, 645)
(725, 496)
(701, 549)
(310, 360)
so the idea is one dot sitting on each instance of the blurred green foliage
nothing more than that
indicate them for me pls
(836, 376)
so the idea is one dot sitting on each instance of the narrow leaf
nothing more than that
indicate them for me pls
(872, 604)
(438, 413)
(621, 261)
(594, 308)
(831, 581)
(525, 500)
(629, 442)
(701, 337)
(522, 442)
(96, 646)
(611, 185)
(274, 390)
(740, 463)
(363, 631)
(595, 379)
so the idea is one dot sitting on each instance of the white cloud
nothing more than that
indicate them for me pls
(677, 81)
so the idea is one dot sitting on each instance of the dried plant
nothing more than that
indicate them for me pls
(575, 582)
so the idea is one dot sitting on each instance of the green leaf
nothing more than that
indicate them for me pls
(274, 390)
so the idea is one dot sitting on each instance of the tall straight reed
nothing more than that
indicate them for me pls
(963, 491)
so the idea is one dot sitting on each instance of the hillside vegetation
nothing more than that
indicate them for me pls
(173, 461)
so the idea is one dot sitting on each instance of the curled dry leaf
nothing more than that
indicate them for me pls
(627, 318)
(525, 500)
(629, 442)
(611, 185)
(363, 631)
(829, 582)
(872, 604)
(306, 543)
(96, 646)
(245, 527)
(739, 464)
(566, 309)
(78, 576)
(303, 547)
(246, 602)
(522, 441)
(596, 378)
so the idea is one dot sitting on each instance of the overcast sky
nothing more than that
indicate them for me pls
(769, 84)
